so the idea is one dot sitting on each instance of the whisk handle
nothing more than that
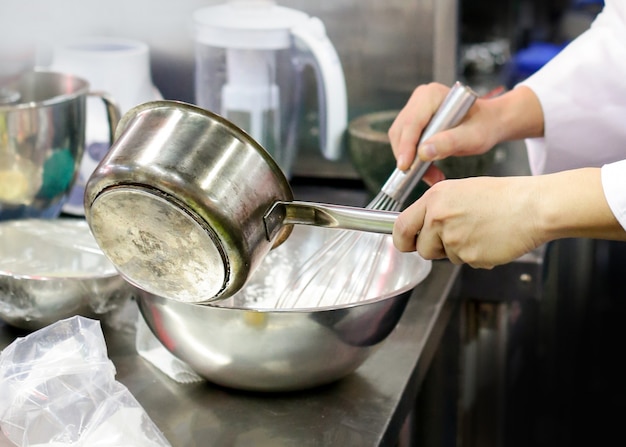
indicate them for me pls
(450, 113)
(328, 216)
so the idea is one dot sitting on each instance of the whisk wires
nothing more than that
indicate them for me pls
(342, 270)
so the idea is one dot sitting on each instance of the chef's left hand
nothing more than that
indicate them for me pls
(481, 221)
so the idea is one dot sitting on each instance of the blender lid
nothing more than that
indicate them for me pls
(259, 24)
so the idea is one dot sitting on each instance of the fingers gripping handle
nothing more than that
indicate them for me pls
(452, 110)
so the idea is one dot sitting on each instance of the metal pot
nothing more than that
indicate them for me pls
(186, 204)
(42, 141)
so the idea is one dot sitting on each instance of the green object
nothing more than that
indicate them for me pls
(372, 157)
(371, 154)
(58, 173)
(467, 166)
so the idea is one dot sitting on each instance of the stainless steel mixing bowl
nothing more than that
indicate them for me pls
(52, 269)
(244, 342)
(42, 141)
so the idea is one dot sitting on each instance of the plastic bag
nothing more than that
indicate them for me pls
(58, 387)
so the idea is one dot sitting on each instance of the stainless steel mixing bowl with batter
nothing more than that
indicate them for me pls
(244, 342)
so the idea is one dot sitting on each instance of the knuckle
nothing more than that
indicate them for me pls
(402, 245)
(401, 229)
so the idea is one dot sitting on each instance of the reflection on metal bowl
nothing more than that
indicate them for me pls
(51, 269)
(246, 343)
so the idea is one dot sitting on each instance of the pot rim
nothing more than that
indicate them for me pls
(82, 89)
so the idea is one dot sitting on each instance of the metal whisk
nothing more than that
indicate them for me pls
(343, 269)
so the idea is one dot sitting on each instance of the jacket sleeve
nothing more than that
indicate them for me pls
(614, 185)
(582, 92)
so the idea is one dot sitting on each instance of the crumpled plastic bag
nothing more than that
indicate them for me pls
(58, 388)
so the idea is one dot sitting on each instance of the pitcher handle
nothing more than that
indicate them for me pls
(114, 113)
(331, 84)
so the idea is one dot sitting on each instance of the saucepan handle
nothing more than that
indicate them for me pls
(327, 216)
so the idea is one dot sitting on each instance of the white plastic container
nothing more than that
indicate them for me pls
(117, 66)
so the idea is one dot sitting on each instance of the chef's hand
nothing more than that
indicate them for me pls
(480, 221)
(487, 221)
(513, 115)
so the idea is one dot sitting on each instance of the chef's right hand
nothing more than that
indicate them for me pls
(515, 114)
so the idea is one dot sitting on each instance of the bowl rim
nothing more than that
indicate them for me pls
(361, 126)
(81, 275)
(418, 279)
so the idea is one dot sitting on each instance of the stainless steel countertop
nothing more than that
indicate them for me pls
(367, 408)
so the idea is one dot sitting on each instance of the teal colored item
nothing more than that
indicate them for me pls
(58, 172)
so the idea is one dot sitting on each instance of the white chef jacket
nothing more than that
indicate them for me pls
(582, 92)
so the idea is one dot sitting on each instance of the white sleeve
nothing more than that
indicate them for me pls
(614, 186)
(582, 92)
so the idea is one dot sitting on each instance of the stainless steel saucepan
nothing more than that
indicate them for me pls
(186, 204)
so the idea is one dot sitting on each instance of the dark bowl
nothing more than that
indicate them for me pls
(371, 155)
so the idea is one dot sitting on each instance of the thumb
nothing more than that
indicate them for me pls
(441, 145)
(436, 147)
